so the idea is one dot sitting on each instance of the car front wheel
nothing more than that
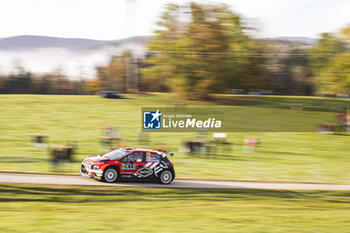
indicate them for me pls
(166, 177)
(110, 175)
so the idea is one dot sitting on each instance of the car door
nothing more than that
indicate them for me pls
(142, 170)
(131, 164)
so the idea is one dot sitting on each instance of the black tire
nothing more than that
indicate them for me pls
(110, 175)
(83, 171)
(165, 177)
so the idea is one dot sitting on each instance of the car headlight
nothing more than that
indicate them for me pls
(94, 167)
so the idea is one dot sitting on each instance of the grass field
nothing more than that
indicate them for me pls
(302, 156)
(32, 208)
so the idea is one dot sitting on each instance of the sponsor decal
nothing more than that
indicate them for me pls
(147, 170)
(128, 167)
(144, 172)
(149, 157)
(151, 160)
(160, 167)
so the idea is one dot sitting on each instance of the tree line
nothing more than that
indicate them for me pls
(24, 82)
(200, 49)
(208, 48)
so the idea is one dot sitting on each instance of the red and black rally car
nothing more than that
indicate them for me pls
(129, 163)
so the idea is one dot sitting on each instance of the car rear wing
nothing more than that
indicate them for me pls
(166, 152)
(163, 149)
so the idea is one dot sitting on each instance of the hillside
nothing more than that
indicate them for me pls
(25, 42)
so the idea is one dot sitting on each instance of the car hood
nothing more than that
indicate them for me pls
(97, 158)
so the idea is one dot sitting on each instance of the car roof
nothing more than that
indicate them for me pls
(144, 150)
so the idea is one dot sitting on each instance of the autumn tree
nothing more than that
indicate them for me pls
(329, 63)
(203, 48)
(92, 86)
(335, 77)
(114, 76)
(327, 47)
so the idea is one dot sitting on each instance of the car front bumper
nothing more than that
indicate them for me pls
(86, 171)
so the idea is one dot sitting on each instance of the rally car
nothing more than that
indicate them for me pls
(129, 163)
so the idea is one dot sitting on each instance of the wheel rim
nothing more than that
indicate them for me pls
(166, 177)
(111, 175)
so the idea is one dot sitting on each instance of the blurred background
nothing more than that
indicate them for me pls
(73, 97)
(74, 76)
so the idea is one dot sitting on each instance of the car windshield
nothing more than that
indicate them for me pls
(116, 154)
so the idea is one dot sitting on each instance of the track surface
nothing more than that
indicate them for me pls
(179, 183)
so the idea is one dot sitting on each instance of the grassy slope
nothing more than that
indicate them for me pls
(281, 156)
(29, 208)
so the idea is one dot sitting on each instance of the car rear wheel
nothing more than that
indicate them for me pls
(166, 177)
(110, 175)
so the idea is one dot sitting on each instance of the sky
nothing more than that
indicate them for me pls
(115, 19)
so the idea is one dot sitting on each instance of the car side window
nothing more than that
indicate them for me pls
(133, 157)
(125, 159)
(152, 157)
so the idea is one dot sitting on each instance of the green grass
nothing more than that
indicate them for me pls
(34, 208)
(286, 156)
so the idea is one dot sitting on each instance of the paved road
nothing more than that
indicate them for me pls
(179, 183)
